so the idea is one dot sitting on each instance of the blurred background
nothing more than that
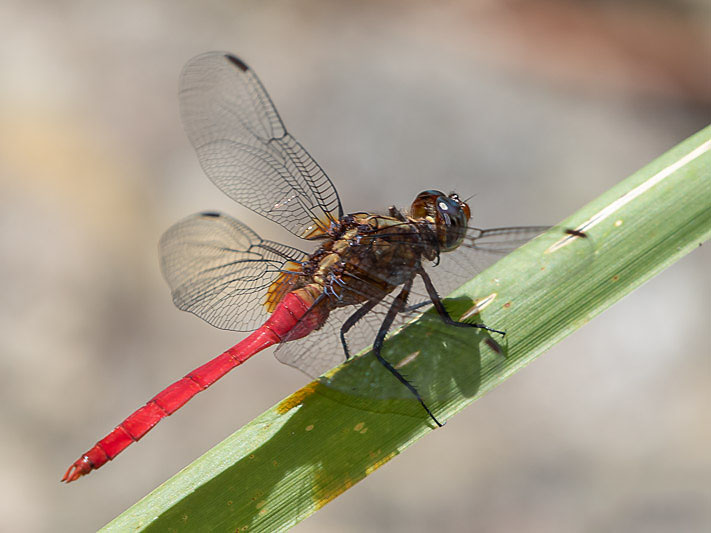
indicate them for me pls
(535, 107)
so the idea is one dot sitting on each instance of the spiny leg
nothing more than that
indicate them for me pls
(443, 313)
(396, 307)
(414, 307)
(352, 320)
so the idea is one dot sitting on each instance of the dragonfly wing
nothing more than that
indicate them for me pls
(222, 271)
(245, 150)
(501, 241)
(322, 349)
(480, 250)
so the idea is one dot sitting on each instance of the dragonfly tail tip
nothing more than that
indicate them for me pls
(79, 468)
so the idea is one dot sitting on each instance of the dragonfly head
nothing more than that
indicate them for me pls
(447, 213)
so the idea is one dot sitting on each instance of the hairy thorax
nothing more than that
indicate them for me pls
(366, 257)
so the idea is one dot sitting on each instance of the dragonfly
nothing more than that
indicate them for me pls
(367, 273)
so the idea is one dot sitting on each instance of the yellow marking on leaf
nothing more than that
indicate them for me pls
(377, 464)
(288, 403)
(327, 487)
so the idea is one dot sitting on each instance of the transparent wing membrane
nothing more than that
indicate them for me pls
(481, 249)
(322, 349)
(220, 270)
(245, 150)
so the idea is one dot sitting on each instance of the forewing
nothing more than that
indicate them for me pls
(220, 270)
(245, 150)
(481, 249)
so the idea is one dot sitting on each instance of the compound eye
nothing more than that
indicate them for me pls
(425, 204)
(452, 221)
(463, 205)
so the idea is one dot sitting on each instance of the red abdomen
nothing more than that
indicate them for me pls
(297, 315)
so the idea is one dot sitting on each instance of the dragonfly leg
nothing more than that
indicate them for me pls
(396, 307)
(415, 307)
(442, 312)
(352, 320)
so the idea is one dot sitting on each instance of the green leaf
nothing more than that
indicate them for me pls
(318, 442)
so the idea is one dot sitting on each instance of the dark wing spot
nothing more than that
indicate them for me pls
(237, 62)
(210, 214)
(576, 233)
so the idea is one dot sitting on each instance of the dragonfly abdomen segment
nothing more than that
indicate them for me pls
(294, 318)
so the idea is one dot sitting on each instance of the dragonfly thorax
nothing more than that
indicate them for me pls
(366, 257)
